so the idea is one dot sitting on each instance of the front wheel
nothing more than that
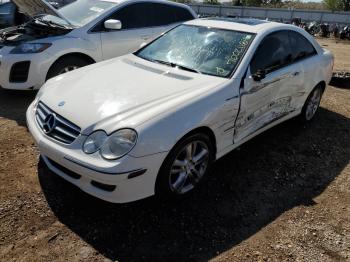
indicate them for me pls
(185, 167)
(311, 105)
(65, 65)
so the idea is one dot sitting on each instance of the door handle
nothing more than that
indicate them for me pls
(296, 73)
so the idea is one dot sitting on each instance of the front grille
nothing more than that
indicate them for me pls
(62, 130)
(19, 72)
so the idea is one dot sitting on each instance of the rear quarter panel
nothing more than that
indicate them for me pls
(317, 69)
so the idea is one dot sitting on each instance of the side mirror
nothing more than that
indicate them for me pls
(259, 75)
(113, 24)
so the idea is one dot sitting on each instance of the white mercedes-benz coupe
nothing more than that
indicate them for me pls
(153, 122)
(84, 32)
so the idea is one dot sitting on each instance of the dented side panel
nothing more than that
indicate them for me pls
(269, 100)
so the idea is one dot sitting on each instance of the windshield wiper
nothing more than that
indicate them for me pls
(176, 65)
(187, 68)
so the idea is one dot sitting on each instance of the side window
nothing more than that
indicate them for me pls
(135, 16)
(301, 47)
(6, 8)
(168, 14)
(183, 14)
(165, 14)
(273, 53)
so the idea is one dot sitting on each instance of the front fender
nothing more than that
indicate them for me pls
(216, 110)
(63, 46)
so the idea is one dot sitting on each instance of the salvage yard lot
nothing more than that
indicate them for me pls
(285, 195)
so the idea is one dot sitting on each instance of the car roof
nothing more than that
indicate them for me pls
(250, 25)
(154, 1)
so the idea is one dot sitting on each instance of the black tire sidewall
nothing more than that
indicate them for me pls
(64, 62)
(162, 188)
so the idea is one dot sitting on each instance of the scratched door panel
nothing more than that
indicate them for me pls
(266, 101)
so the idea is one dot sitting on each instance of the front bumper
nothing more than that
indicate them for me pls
(36, 76)
(93, 171)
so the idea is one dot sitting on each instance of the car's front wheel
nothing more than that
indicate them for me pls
(185, 166)
(65, 65)
(312, 104)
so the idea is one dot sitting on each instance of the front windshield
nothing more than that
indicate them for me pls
(205, 50)
(81, 12)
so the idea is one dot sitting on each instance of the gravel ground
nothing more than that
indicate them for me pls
(284, 196)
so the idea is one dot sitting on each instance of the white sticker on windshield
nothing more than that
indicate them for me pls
(96, 9)
(247, 37)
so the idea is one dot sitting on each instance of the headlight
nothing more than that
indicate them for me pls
(111, 147)
(94, 142)
(30, 48)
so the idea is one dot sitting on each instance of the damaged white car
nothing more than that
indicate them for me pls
(154, 121)
(84, 32)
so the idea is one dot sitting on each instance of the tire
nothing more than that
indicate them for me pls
(311, 105)
(65, 65)
(177, 166)
(342, 35)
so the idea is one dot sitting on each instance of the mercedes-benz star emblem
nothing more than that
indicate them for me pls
(49, 123)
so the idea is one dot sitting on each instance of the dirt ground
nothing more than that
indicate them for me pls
(284, 196)
(341, 51)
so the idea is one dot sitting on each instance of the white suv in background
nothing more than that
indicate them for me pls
(79, 34)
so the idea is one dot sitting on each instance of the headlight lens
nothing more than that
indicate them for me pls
(94, 142)
(111, 147)
(119, 144)
(30, 48)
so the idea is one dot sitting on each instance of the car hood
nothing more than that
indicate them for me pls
(33, 8)
(125, 91)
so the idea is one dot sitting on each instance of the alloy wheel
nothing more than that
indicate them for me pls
(68, 69)
(189, 167)
(313, 104)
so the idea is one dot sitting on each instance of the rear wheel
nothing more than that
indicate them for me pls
(185, 167)
(312, 104)
(65, 65)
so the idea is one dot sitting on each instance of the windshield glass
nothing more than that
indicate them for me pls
(80, 13)
(204, 50)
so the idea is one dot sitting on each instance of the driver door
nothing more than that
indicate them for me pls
(136, 29)
(270, 84)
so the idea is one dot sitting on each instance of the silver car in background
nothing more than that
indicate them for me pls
(7, 14)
